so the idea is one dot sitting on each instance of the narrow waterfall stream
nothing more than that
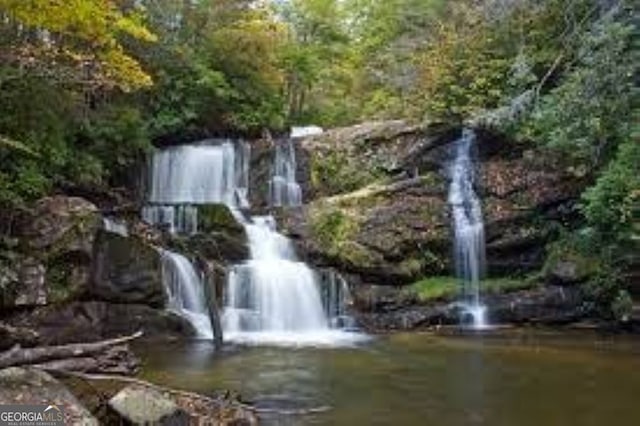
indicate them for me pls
(469, 243)
(185, 292)
(283, 187)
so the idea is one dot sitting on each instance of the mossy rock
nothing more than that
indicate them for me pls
(448, 288)
(567, 266)
(67, 276)
(216, 217)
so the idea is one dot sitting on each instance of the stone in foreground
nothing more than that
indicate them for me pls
(142, 405)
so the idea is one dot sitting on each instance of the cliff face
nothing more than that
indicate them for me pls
(376, 201)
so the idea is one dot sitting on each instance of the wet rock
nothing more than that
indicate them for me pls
(137, 404)
(547, 305)
(550, 305)
(32, 386)
(344, 159)
(385, 234)
(221, 237)
(92, 321)
(262, 157)
(126, 270)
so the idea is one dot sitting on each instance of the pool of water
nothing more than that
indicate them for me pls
(517, 378)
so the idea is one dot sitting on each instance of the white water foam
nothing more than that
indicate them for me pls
(275, 299)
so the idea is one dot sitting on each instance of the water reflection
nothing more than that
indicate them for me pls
(412, 379)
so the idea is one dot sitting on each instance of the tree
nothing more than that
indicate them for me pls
(75, 41)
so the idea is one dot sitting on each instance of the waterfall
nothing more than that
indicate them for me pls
(469, 244)
(185, 176)
(177, 219)
(185, 292)
(283, 187)
(270, 298)
(273, 297)
(335, 299)
(115, 226)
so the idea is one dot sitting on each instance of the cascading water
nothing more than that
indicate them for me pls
(274, 298)
(185, 292)
(335, 299)
(179, 219)
(469, 243)
(283, 187)
(185, 176)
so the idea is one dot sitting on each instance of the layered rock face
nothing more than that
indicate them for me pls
(376, 204)
(71, 280)
(377, 201)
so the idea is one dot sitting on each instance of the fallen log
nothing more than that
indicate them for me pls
(114, 360)
(38, 355)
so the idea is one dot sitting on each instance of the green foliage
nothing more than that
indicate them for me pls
(118, 142)
(335, 172)
(576, 249)
(589, 113)
(332, 228)
(612, 204)
(79, 32)
(603, 291)
(439, 288)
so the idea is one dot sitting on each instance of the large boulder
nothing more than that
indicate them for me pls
(32, 386)
(126, 270)
(345, 159)
(53, 258)
(61, 224)
(385, 234)
(141, 405)
(220, 236)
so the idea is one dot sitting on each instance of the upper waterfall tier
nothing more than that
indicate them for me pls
(200, 174)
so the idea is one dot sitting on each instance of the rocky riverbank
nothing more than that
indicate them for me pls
(92, 400)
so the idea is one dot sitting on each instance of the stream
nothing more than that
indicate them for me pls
(519, 377)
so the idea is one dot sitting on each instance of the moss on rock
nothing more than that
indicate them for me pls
(448, 288)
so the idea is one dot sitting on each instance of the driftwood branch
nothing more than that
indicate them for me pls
(38, 355)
